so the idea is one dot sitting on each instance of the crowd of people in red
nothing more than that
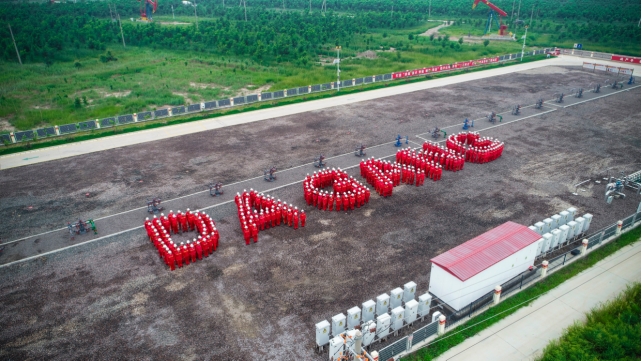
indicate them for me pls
(447, 158)
(476, 149)
(258, 212)
(347, 193)
(381, 174)
(159, 230)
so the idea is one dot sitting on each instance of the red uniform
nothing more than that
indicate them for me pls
(254, 232)
(246, 235)
(192, 252)
(295, 219)
(199, 250)
(185, 254)
(302, 219)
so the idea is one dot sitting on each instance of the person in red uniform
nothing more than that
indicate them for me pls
(184, 253)
(295, 218)
(254, 232)
(199, 249)
(165, 222)
(303, 217)
(352, 200)
(289, 216)
(192, 251)
(206, 244)
(173, 221)
(246, 235)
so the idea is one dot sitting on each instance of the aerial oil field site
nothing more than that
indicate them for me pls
(318, 180)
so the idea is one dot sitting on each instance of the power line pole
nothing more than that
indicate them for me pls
(196, 16)
(121, 30)
(524, 45)
(532, 9)
(173, 17)
(512, 12)
(245, 10)
(429, 7)
(518, 8)
(14, 44)
(338, 70)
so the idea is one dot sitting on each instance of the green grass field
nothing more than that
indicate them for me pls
(142, 78)
(611, 332)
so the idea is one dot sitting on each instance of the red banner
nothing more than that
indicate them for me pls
(626, 59)
(438, 68)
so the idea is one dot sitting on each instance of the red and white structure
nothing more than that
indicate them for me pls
(472, 269)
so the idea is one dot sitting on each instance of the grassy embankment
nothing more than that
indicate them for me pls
(34, 95)
(611, 332)
(523, 299)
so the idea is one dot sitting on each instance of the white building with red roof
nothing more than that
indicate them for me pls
(472, 269)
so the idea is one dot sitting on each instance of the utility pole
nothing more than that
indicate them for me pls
(111, 15)
(518, 8)
(173, 17)
(245, 10)
(14, 44)
(512, 12)
(524, 45)
(532, 9)
(429, 7)
(323, 7)
(121, 29)
(196, 16)
(338, 70)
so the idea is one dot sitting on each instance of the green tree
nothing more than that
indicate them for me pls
(410, 37)
(77, 103)
(486, 42)
(461, 40)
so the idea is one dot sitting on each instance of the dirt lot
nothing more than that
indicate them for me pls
(114, 299)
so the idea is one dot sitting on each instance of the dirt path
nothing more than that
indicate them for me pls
(436, 29)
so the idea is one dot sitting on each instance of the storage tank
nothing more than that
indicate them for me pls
(571, 213)
(580, 226)
(548, 225)
(548, 239)
(369, 330)
(556, 238)
(410, 311)
(383, 325)
(572, 227)
(396, 297)
(383, 304)
(409, 290)
(557, 221)
(424, 305)
(323, 332)
(564, 218)
(368, 310)
(354, 317)
(587, 221)
(396, 318)
(336, 348)
(338, 324)
(539, 228)
(564, 236)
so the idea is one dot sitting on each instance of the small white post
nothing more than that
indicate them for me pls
(375, 355)
(135, 116)
(544, 268)
(618, 230)
(441, 329)
(584, 246)
(97, 123)
(56, 130)
(497, 295)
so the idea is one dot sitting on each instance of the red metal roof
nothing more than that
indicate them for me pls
(483, 251)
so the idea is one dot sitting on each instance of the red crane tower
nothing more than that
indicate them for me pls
(494, 14)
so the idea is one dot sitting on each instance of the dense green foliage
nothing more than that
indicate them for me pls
(611, 332)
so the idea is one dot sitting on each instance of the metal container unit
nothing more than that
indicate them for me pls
(557, 221)
(540, 245)
(580, 226)
(368, 310)
(396, 318)
(587, 221)
(564, 236)
(533, 228)
(572, 212)
(548, 239)
(354, 317)
(409, 290)
(410, 312)
(548, 225)
(338, 324)
(383, 325)
(396, 297)
(556, 238)
(565, 217)
(323, 332)
(572, 228)
(383, 304)
(369, 330)
(424, 305)
(539, 228)
(336, 348)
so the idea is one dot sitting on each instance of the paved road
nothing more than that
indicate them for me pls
(524, 334)
(130, 220)
(100, 144)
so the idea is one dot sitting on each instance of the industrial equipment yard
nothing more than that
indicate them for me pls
(113, 298)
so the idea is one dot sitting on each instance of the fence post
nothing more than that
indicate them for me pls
(584, 246)
(12, 137)
(470, 310)
(409, 343)
(498, 293)
(56, 130)
(601, 237)
(97, 123)
(544, 269)
(521, 281)
(564, 261)
(441, 328)
(618, 230)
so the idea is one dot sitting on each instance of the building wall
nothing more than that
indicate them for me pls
(458, 294)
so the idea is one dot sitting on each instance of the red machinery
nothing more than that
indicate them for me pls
(494, 11)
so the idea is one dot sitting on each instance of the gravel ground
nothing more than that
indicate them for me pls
(114, 299)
